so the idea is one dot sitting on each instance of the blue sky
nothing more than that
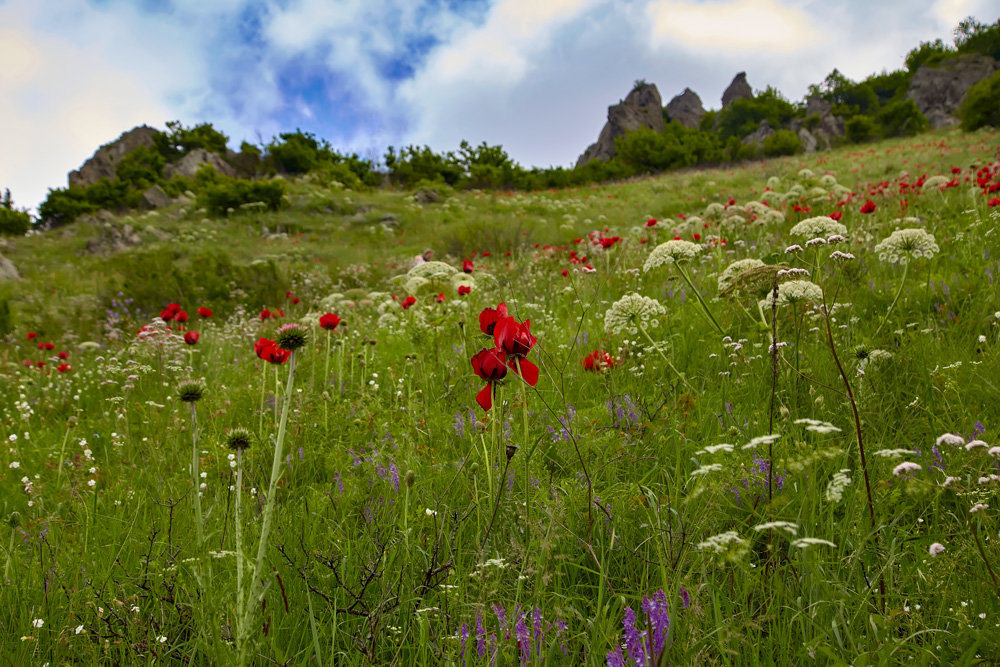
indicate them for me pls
(533, 75)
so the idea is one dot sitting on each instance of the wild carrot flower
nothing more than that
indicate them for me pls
(729, 275)
(674, 251)
(936, 549)
(794, 292)
(633, 311)
(904, 245)
(820, 226)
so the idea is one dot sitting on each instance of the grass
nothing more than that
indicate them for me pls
(406, 518)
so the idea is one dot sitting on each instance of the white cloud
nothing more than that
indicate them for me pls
(732, 25)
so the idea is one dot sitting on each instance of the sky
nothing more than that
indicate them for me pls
(535, 76)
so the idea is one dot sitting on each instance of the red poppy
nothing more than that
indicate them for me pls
(329, 321)
(265, 315)
(64, 368)
(40, 364)
(46, 346)
(440, 297)
(994, 202)
(32, 335)
(598, 360)
(565, 272)
(269, 351)
(295, 300)
(27, 362)
(464, 290)
(181, 316)
(837, 215)
(651, 222)
(204, 312)
(261, 345)
(467, 266)
(490, 365)
(63, 355)
(191, 337)
(166, 315)
(516, 340)
(868, 206)
(408, 301)
(278, 312)
(490, 316)
(587, 268)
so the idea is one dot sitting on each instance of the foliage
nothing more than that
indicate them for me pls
(743, 116)
(889, 86)
(6, 318)
(645, 150)
(413, 164)
(178, 140)
(223, 195)
(981, 107)
(859, 129)
(971, 36)
(64, 205)
(927, 53)
(901, 118)
(12, 221)
(141, 168)
(782, 142)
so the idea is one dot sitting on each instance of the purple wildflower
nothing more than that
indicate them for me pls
(634, 639)
(615, 658)
(481, 636)
(463, 634)
(658, 619)
(523, 638)
(685, 598)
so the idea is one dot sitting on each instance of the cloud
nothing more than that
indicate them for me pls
(732, 25)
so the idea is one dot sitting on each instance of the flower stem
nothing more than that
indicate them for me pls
(195, 476)
(240, 633)
(255, 583)
(892, 305)
(653, 343)
(701, 301)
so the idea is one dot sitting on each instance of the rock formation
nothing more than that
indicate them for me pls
(763, 131)
(7, 270)
(939, 91)
(686, 109)
(155, 197)
(189, 164)
(113, 238)
(105, 160)
(642, 108)
(739, 89)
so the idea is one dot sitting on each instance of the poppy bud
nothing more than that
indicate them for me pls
(291, 336)
(238, 438)
(190, 391)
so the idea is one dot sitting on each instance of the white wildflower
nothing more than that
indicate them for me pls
(906, 467)
(950, 439)
(37, 623)
(936, 548)
(788, 526)
(721, 542)
(761, 440)
(671, 252)
(819, 226)
(705, 469)
(972, 444)
(806, 542)
(835, 489)
(633, 311)
(904, 245)
(794, 292)
(979, 507)
(731, 272)
(713, 449)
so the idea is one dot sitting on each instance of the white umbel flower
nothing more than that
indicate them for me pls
(721, 542)
(794, 292)
(820, 226)
(632, 311)
(904, 245)
(731, 272)
(671, 252)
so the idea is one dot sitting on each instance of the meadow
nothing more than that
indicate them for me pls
(736, 416)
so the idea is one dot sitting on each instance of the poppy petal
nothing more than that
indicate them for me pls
(485, 397)
(529, 372)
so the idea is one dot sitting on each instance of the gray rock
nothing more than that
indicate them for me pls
(686, 109)
(7, 270)
(426, 196)
(763, 131)
(739, 89)
(829, 125)
(105, 161)
(809, 143)
(939, 91)
(189, 165)
(155, 197)
(112, 239)
(641, 108)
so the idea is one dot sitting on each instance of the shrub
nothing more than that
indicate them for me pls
(297, 152)
(743, 116)
(141, 168)
(223, 195)
(981, 107)
(902, 118)
(12, 221)
(178, 140)
(414, 164)
(6, 319)
(971, 36)
(646, 150)
(63, 205)
(782, 142)
(889, 85)
(928, 53)
(859, 129)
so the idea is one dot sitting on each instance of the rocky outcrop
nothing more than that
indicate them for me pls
(686, 109)
(821, 129)
(155, 197)
(105, 161)
(642, 108)
(7, 270)
(809, 143)
(763, 131)
(739, 89)
(189, 165)
(939, 91)
(113, 238)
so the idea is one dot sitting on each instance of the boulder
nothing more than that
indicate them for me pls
(809, 143)
(763, 131)
(427, 196)
(189, 165)
(105, 161)
(155, 197)
(686, 109)
(739, 89)
(7, 270)
(641, 108)
(939, 91)
(112, 239)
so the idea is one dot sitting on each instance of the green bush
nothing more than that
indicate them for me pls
(981, 107)
(413, 164)
(178, 140)
(859, 129)
(64, 205)
(889, 85)
(928, 53)
(141, 168)
(224, 195)
(6, 318)
(902, 118)
(743, 116)
(782, 142)
(971, 36)
(737, 151)
(12, 221)
(154, 278)
(645, 150)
